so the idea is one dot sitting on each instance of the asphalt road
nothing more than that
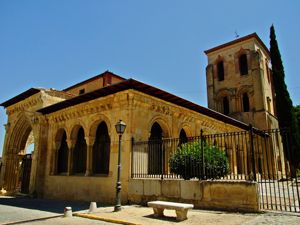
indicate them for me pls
(22, 210)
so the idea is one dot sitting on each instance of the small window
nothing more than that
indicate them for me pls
(243, 64)
(246, 105)
(81, 91)
(225, 105)
(220, 68)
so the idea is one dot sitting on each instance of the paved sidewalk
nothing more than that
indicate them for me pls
(38, 211)
(132, 215)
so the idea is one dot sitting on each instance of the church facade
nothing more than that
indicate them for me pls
(73, 130)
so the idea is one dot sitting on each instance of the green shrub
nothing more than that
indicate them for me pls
(298, 173)
(187, 161)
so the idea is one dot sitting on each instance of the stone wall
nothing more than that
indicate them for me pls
(219, 195)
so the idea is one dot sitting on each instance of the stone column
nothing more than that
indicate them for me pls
(55, 149)
(71, 146)
(4, 155)
(89, 157)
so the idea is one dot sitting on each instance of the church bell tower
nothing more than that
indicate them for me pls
(239, 81)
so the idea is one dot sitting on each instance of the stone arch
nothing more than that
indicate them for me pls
(20, 131)
(61, 152)
(79, 149)
(163, 124)
(17, 171)
(96, 122)
(183, 137)
(221, 98)
(245, 89)
(155, 149)
(187, 128)
(101, 150)
(220, 75)
(59, 133)
(74, 131)
(237, 56)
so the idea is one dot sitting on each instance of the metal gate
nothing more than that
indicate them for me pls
(279, 186)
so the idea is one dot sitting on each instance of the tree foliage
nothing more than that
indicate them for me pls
(284, 106)
(187, 161)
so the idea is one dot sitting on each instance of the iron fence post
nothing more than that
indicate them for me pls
(162, 158)
(252, 151)
(202, 152)
(132, 163)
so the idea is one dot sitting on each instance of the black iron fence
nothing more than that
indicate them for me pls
(262, 156)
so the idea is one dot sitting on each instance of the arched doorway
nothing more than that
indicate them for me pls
(62, 154)
(18, 157)
(79, 153)
(155, 148)
(101, 150)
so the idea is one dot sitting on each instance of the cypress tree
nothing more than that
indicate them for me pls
(297, 113)
(284, 106)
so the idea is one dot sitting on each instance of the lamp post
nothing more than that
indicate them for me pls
(120, 128)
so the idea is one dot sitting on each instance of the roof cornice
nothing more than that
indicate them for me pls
(239, 40)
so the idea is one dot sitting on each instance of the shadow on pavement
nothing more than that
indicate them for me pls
(163, 218)
(55, 206)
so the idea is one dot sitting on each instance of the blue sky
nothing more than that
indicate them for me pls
(57, 43)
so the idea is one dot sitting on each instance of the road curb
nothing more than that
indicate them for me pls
(94, 217)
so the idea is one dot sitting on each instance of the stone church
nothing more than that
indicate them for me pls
(73, 130)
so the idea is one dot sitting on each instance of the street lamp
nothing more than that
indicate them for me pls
(120, 128)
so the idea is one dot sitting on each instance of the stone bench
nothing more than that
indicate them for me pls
(180, 208)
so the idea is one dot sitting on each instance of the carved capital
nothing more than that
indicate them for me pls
(90, 140)
(71, 143)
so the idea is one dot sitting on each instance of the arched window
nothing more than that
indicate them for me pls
(220, 69)
(62, 157)
(182, 137)
(101, 150)
(243, 64)
(225, 105)
(246, 105)
(79, 154)
(155, 157)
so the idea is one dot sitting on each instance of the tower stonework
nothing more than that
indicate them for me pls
(239, 82)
